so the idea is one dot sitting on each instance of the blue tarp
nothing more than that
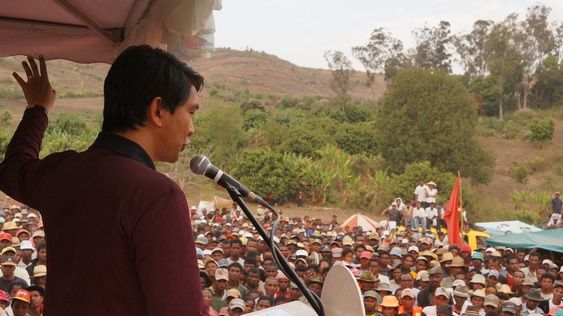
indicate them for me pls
(547, 239)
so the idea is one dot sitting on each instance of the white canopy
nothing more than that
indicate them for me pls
(90, 31)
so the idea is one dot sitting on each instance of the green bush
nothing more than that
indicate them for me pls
(403, 184)
(541, 131)
(213, 91)
(519, 172)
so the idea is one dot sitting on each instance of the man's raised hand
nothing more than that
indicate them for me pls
(37, 90)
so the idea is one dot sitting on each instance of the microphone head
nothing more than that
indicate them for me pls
(199, 164)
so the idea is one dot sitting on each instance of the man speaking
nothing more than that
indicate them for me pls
(118, 231)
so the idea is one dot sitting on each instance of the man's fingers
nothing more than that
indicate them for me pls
(19, 79)
(34, 69)
(43, 67)
(28, 72)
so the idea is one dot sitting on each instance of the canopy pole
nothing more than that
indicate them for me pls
(74, 11)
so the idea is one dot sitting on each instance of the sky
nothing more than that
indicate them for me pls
(300, 31)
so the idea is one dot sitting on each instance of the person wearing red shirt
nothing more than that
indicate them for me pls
(110, 197)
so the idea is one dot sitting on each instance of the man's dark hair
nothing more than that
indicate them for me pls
(535, 254)
(236, 265)
(548, 276)
(314, 266)
(138, 75)
(41, 246)
(254, 271)
(236, 241)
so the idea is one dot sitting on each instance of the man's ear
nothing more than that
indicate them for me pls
(155, 112)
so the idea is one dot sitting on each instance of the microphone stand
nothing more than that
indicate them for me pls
(313, 299)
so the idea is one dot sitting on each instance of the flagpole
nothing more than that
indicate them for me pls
(461, 223)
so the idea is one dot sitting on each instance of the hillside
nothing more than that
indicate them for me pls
(80, 88)
(261, 72)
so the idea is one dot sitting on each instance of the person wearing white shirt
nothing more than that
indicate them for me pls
(431, 193)
(431, 213)
(420, 192)
(418, 216)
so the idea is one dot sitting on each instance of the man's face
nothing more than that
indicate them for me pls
(42, 255)
(546, 284)
(389, 311)
(220, 285)
(5, 243)
(283, 284)
(407, 281)
(557, 293)
(435, 280)
(26, 254)
(459, 300)
(531, 304)
(217, 255)
(271, 287)
(235, 250)
(420, 265)
(513, 264)
(20, 308)
(534, 261)
(36, 298)
(176, 128)
(384, 260)
(407, 301)
(235, 312)
(234, 274)
(251, 246)
(253, 279)
(369, 304)
(477, 301)
(8, 270)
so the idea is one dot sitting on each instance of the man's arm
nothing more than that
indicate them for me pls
(20, 169)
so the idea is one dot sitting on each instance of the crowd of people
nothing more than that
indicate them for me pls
(400, 272)
(23, 262)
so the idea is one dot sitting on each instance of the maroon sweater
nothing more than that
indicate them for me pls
(118, 232)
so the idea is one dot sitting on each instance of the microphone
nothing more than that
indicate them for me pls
(201, 165)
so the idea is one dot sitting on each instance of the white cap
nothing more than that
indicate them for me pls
(413, 248)
(490, 249)
(458, 283)
(26, 245)
(301, 253)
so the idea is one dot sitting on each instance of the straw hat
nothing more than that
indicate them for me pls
(389, 301)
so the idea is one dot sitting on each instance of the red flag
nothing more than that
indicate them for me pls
(452, 215)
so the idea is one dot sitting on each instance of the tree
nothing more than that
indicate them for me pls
(548, 89)
(220, 135)
(536, 41)
(433, 47)
(341, 72)
(504, 60)
(430, 116)
(485, 93)
(382, 54)
(471, 48)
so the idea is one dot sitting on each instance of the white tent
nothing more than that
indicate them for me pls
(89, 31)
(365, 222)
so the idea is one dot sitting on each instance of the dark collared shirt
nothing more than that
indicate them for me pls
(119, 234)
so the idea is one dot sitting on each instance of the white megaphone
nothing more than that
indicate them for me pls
(341, 296)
